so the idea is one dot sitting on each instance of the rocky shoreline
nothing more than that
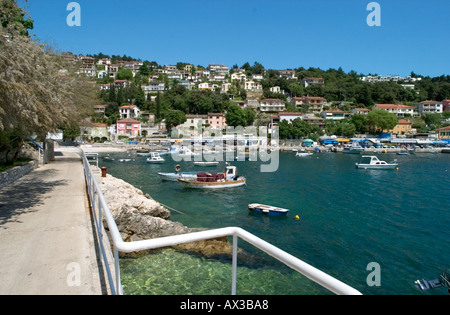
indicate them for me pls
(139, 217)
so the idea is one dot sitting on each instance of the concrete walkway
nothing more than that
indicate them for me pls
(46, 234)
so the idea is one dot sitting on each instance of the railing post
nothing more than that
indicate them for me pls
(234, 265)
(119, 290)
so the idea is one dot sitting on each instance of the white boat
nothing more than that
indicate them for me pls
(173, 177)
(215, 163)
(375, 164)
(186, 152)
(228, 179)
(155, 158)
(303, 153)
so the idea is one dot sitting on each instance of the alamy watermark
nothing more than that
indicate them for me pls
(74, 274)
(74, 17)
(231, 144)
(374, 277)
(374, 18)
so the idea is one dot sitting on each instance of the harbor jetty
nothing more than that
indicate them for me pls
(139, 217)
(47, 243)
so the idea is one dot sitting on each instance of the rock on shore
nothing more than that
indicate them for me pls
(139, 217)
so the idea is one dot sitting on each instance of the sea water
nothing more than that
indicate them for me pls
(349, 218)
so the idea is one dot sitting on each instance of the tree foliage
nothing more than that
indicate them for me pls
(382, 120)
(38, 93)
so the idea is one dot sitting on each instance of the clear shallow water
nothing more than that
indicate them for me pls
(349, 218)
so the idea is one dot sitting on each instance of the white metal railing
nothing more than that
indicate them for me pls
(101, 209)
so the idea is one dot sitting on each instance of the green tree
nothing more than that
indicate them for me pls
(360, 122)
(174, 118)
(236, 116)
(250, 116)
(144, 70)
(381, 120)
(139, 99)
(124, 74)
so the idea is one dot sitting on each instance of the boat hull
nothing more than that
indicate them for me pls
(155, 161)
(267, 210)
(211, 185)
(173, 177)
(377, 167)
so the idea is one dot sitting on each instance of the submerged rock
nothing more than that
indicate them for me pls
(139, 217)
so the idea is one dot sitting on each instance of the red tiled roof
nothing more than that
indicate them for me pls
(129, 120)
(393, 106)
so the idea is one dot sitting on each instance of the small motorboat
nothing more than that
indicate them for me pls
(173, 177)
(155, 158)
(268, 210)
(208, 180)
(108, 158)
(376, 164)
(303, 153)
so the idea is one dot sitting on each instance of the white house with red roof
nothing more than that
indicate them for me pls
(129, 111)
(400, 110)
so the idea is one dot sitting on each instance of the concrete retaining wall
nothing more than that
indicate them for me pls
(10, 176)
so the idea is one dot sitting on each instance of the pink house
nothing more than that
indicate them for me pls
(216, 120)
(128, 127)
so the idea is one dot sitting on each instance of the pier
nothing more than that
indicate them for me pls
(47, 243)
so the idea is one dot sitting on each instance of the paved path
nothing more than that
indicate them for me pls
(46, 238)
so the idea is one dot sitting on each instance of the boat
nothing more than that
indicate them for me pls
(376, 164)
(155, 158)
(124, 160)
(355, 148)
(228, 179)
(186, 152)
(303, 153)
(173, 177)
(403, 152)
(108, 158)
(265, 209)
(143, 153)
(215, 163)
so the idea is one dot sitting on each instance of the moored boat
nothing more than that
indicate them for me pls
(228, 179)
(155, 158)
(303, 153)
(268, 210)
(173, 177)
(375, 164)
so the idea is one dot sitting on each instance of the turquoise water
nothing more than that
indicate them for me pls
(348, 218)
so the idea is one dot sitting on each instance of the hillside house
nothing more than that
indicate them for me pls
(399, 110)
(272, 105)
(310, 81)
(430, 107)
(129, 111)
(128, 127)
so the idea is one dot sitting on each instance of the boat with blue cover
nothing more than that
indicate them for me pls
(268, 210)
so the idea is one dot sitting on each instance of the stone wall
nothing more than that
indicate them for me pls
(10, 176)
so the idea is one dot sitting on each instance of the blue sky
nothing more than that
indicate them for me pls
(282, 34)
